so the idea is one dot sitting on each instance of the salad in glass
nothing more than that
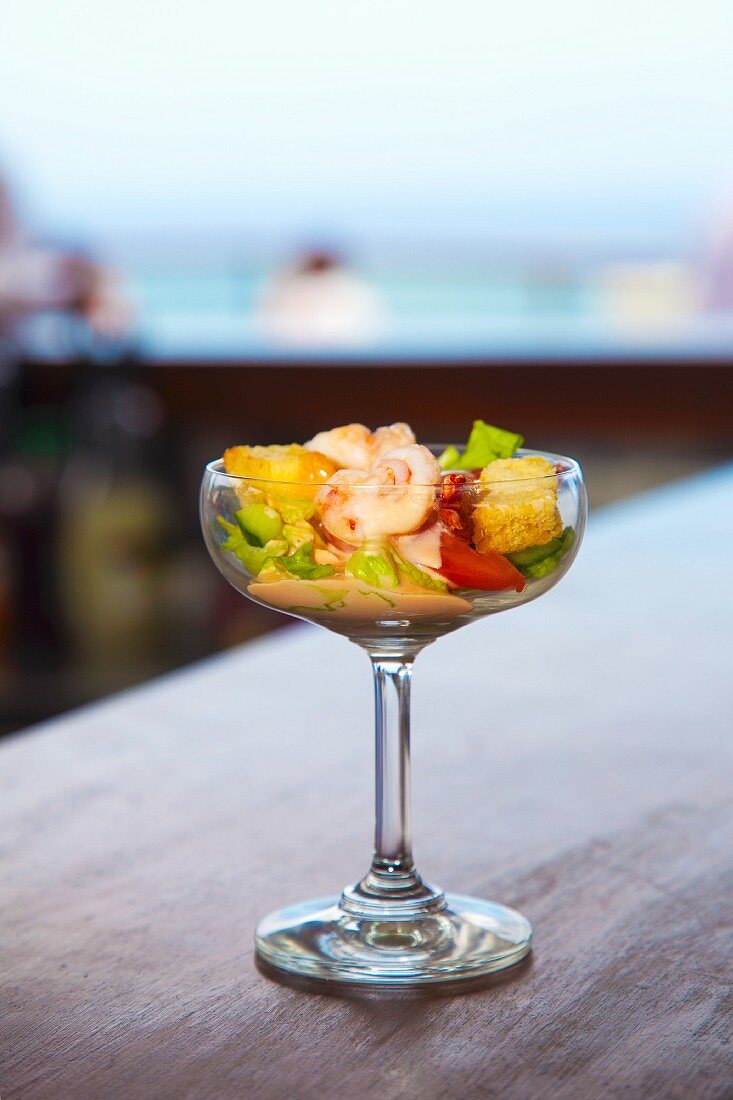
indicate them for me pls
(393, 543)
(358, 529)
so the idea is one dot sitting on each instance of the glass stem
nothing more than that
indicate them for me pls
(392, 883)
(392, 832)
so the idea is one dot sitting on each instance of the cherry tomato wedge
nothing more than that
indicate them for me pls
(467, 568)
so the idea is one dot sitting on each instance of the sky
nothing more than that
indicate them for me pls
(460, 119)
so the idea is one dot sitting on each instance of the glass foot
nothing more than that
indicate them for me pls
(464, 938)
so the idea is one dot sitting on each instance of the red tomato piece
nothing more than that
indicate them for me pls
(490, 571)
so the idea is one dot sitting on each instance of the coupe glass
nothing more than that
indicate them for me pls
(392, 927)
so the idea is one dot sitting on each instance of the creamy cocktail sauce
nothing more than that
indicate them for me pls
(345, 599)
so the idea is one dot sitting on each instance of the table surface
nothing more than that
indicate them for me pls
(572, 759)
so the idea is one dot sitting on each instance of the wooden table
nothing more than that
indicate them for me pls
(572, 759)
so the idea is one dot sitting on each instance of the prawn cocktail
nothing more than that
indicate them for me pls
(392, 543)
(370, 531)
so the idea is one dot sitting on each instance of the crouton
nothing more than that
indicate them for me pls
(518, 507)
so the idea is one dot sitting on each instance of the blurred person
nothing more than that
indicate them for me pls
(36, 278)
(318, 301)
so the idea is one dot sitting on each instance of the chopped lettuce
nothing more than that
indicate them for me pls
(373, 563)
(297, 534)
(450, 459)
(304, 565)
(377, 563)
(417, 575)
(485, 443)
(262, 522)
(253, 558)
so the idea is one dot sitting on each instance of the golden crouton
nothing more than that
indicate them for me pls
(518, 507)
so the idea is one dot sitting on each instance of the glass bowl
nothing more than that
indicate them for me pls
(322, 555)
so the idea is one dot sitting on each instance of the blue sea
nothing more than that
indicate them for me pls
(211, 313)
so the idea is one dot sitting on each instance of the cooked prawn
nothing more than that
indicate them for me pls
(355, 447)
(350, 445)
(393, 497)
(393, 435)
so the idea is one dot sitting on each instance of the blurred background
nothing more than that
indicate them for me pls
(224, 223)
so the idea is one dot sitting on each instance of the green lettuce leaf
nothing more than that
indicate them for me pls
(304, 565)
(253, 558)
(373, 564)
(379, 565)
(485, 443)
(450, 459)
(417, 576)
(298, 534)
